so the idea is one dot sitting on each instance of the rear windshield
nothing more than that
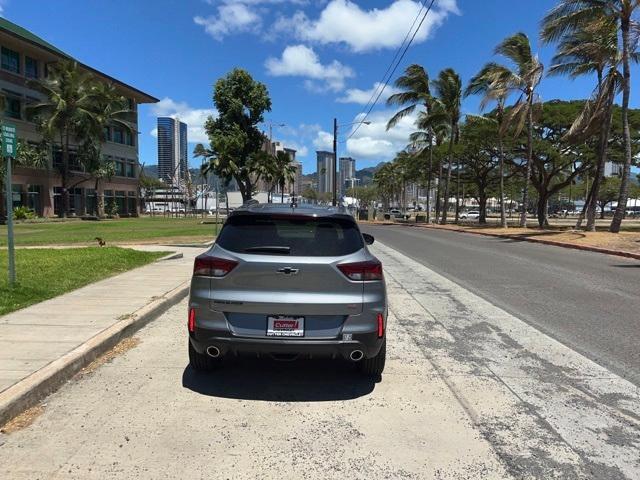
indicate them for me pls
(306, 236)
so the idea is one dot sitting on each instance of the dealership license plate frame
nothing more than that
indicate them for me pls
(275, 331)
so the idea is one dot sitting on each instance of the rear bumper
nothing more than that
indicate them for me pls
(368, 343)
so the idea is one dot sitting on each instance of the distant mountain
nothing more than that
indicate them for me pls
(366, 174)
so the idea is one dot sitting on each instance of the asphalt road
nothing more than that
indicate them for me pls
(588, 301)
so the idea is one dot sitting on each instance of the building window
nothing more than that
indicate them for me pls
(107, 134)
(131, 170)
(119, 168)
(16, 196)
(118, 135)
(33, 198)
(121, 201)
(10, 60)
(30, 67)
(13, 107)
(128, 138)
(132, 202)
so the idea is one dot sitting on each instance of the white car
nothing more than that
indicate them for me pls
(472, 215)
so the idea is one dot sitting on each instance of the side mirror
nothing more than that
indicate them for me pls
(368, 239)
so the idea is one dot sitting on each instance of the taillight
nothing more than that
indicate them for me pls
(206, 266)
(362, 271)
(380, 326)
(192, 320)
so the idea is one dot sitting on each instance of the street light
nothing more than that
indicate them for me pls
(271, 125)
(335, 155)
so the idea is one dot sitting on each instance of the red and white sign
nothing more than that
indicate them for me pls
(285, 326)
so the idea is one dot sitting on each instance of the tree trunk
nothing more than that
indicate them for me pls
(616, 223)
(448, 180)
(503, 218)
(543, 202)
(525, 189)
(482, 204)
(438, 192)
(429, 173)
(458, 190)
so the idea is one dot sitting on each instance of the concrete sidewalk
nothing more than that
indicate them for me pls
(37, 336)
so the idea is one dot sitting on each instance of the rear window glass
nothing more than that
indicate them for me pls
(316, 237)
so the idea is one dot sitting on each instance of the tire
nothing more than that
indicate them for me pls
(201, 362)
(375, 366)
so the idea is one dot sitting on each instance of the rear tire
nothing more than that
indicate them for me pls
(200, 361)
(375, 366)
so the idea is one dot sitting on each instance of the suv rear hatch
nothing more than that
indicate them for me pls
(287, 265)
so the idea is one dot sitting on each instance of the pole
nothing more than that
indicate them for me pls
(11, 249)
(335, 162)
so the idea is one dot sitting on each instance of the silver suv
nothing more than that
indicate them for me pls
(288, 282)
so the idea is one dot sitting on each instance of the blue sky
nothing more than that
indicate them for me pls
(319, 59)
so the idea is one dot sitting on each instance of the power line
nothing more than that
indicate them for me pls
(373, 94)
(395, 67)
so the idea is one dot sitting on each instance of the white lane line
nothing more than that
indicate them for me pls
(546, 409)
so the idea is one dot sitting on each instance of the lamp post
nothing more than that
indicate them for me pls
(335, 155)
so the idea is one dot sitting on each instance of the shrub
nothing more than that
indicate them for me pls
(23, 213)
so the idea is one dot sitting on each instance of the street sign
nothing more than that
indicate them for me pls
(8, 152)
(8, 140)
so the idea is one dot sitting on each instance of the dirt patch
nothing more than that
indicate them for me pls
(122, 347)
(23, 420)
(623, 241)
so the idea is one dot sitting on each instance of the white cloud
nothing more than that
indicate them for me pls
(195, 118)
(374, 141)
(302, 61)
(343, 21)
(362, 97)
(371, 142)
(323, 141)
(238, 16)
(231, 18)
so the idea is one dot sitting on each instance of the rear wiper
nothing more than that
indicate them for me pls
(281, 250)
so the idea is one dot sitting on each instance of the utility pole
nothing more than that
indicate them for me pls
(335, 162)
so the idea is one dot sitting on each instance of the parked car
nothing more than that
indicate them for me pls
(472, 215)
(288, 283)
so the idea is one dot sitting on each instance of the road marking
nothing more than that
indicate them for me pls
(546, 409)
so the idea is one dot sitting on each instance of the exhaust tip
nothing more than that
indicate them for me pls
(356, 355)
(213, 352)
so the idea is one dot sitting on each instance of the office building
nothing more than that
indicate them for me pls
(26, 57)
(173, 160)
(325, 171)
(347, 174)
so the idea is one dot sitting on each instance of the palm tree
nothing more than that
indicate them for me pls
(590, 47)
(285, 171)
(65, 112)
(415, 93)
(109, 109)
(523, 78)
(570, 15)
(487, 83)
(446, 110)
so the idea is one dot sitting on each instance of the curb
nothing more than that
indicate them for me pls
(32, 389)
(586, 248)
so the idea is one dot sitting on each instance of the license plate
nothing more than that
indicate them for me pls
(282, 326)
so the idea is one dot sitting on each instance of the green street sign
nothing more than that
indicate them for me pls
(8, 140)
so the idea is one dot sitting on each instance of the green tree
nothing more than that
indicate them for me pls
(236, 141)
(415, 93)
(64, 114)
(589, 47)
(285, 171)
(522, 78)
(570, 14)
(488, 83)
(481, 158)
(446, 111)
